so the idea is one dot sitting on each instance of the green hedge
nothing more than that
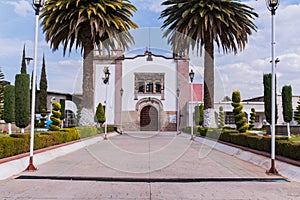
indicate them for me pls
(284, 147)
(19, 143)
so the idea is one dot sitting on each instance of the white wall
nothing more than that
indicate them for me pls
(100, 89)
(158, 65)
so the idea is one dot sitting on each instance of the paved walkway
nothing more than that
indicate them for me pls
(148, 166)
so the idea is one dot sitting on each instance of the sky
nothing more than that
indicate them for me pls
(243, 71)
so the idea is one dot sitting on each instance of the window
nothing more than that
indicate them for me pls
(229, 118)
(158, 87)
(149, 87)
(149, 83)
(141, 87)
(257, 118)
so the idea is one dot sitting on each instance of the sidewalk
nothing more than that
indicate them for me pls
(150, 166)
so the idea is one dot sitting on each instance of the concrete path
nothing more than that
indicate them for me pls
(148, 165)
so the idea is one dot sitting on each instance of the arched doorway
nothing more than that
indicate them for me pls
(149, 119)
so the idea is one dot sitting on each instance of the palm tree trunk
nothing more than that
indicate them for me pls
(209, 114)
(88, 77)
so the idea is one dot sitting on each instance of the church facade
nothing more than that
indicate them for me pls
(145, 92)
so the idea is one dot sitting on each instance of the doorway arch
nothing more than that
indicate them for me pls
(149, 119)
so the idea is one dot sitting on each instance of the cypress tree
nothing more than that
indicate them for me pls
(9, 105)
(43, 88)
(23, 66)
(267, 80)
(22, 100)
(62, 110)
(201, 112)
(287, 106)
(239, 115)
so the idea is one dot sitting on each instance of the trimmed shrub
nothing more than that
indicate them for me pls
(100, 114)
(221, 117)
(55, 117)
(9, 104)
(202, 131)
(252, 118)
(22, 100)
(239, 115)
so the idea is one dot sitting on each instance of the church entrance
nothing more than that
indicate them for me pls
(149, 119)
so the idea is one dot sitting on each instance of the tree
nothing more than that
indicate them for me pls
(43, 88)
(201, 112)
(62, 110)
(84, 24)
(201, 23)
(100, 114)
(267, 80)
(2, 85)
(252, 118)
(221, 117)
(287, 106)
(9, 105)
(239, 115)
(23, 65)
(22, 101)
(226, 99)
(55, 117)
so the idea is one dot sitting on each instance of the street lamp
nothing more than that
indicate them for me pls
(178, 117)
(106, 82)
(272, 6)
(191, 75)
(121, 93)
(51, 101)
(37, 5)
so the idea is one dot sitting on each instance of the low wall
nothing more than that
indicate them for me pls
(282, 130)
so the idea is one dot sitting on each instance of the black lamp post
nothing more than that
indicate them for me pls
(192, 75)
(37, 5)
(272, 6)
(178, 116)
(106, 82)
(121, 93)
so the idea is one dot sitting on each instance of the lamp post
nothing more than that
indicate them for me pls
(121, 93)
(272, 6)
(191, 75)
(178, 117)
(37, 4)
(51, 101)
(106, 81)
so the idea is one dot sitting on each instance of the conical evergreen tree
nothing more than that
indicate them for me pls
(43, 88)
(23, 66)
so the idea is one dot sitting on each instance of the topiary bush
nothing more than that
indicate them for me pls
(55, 117)
(221, 117)
(239, 115)
(252, 118)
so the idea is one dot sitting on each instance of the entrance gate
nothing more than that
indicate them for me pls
(149, 119)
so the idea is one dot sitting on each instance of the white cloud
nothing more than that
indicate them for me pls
(21, 7)
(152, 5)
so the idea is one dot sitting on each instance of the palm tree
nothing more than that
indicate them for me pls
(200, 23)
(84, 24)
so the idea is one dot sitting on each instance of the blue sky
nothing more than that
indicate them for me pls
(243, 71)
